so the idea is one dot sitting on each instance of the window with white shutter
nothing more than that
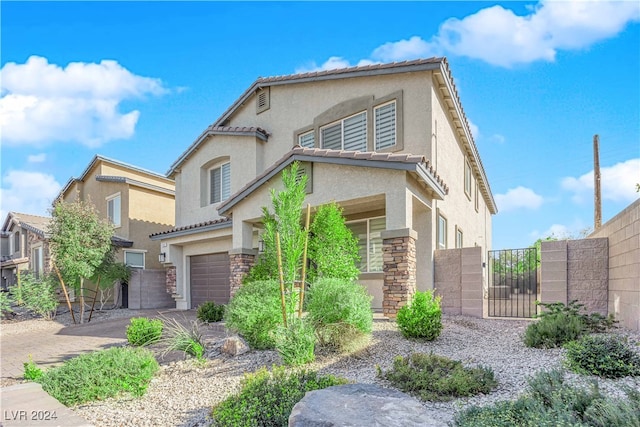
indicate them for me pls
(220, 183)
(347, 134)
(114, 209)
(368, 232)
(385, 125)
(307, 140)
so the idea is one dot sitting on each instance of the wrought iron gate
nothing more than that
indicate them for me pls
(513, 283)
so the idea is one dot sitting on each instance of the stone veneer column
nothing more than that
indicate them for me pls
(240, 262)
(399, 269)
(171, 281)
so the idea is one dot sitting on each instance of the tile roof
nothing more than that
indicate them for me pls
(36, 223)
(221, 222)
(358, 158)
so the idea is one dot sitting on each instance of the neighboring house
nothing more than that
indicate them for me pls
(138, 202)
(390, 143)
(24, 247)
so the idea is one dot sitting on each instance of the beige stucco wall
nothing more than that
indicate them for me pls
(623, 232)
(458, 208)
(192, 187)
(143, 211)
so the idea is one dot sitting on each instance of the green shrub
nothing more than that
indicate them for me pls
(549, 402)
(266, 399)
(340, 311)
(296, 342)
(37, 294)
(101, 374)
(332, 247)
(422, 318)
(5, 303)
(432, 377)
(211, 312)
(144, 331)
(180, 338)
(32, 372)
(553, 330)
(255, 312)
(604, 356)
(560, 324)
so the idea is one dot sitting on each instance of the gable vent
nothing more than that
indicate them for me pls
(262, 100)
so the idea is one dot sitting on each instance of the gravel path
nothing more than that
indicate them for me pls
(183, 392)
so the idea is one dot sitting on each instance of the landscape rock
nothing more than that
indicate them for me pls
(360, 405)
(234, 346)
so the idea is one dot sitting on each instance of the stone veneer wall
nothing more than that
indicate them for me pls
(623, 232)
(170, 283)
(459, 280)
(399, 269)
(575, 270)
(240, 264)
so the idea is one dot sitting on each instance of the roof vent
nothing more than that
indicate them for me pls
(262, 99)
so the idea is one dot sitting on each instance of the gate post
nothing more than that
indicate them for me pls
(553, 272)
(471, 282)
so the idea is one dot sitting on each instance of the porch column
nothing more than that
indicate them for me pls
(240, 262)
(399, 269)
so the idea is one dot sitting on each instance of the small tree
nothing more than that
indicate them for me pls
(332, 247)
(79, 240)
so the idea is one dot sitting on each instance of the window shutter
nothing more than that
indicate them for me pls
(263, 100)
(355, 133)
(226, 181)
(332, 137)
(307, 140)
(386, 126)
(215, 185)
(305, 169)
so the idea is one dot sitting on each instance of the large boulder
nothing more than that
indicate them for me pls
(360, 405)
(234, 346)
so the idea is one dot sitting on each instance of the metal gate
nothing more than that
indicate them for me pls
(513, 283)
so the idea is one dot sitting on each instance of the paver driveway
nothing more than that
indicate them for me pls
(55, 343)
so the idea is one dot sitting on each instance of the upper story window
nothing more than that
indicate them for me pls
(37, 261)
(442, 232)
(385, 132)
(467, 178)
(220, 183)
(134, 259)
(459, 238)
(368, 232)
(347, 134)
(16, 242)
(477, 198)
(114, 209)
(307, 139)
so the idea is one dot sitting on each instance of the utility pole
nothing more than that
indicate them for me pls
(597, 217)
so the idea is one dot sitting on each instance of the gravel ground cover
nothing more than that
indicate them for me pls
(184, 391)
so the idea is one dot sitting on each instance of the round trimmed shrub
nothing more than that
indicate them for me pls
(255, 312)
(422, 318)
(554, 330)
(296, 342)
(340, 311)
(144, 331)
(210, 312)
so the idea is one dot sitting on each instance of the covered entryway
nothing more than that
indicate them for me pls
(209, 278)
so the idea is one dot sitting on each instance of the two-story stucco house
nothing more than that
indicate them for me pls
(24, 246)
(390, 143)
(138, 202)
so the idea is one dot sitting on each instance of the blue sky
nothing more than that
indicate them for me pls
(139, 81)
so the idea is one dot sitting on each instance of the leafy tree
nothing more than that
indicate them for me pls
(332, 247)
(79, 240)
(106, 274)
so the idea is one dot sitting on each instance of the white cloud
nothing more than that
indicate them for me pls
(519, 197)
(37, 158)
(500, 37)
(577, 230)
(497, 138)
(475, 131)
(617, 183)
(43, 103)
(27, 192)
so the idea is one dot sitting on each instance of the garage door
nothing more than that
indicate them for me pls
(209, 279)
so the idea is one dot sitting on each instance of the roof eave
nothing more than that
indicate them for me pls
(186, 232)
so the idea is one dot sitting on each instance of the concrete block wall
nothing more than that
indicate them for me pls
(587, 273)
(458, 279)
(553, 272)
(148, 289)
(623, 232)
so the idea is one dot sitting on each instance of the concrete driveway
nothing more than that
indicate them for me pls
(55, 343)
